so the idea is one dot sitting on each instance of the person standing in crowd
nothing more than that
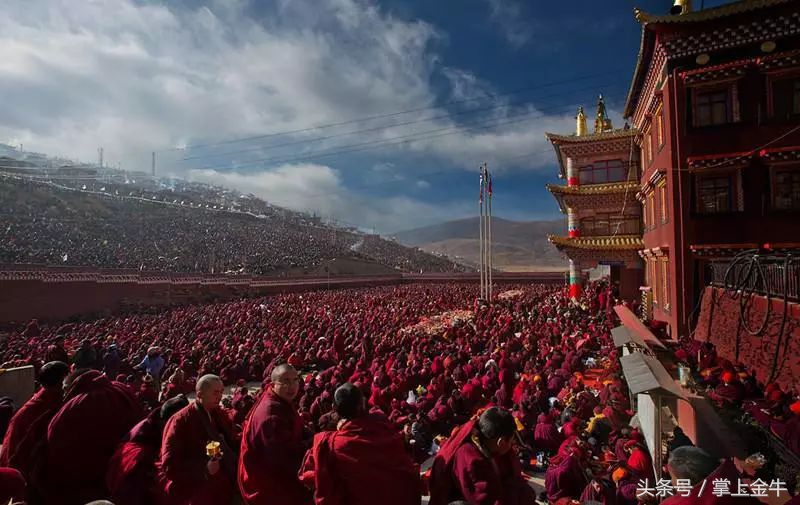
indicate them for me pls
(152, 364)
(478, 464)
(364, 461)
(191, 470)
(29, 425)
(273, 445)
(82, 437)
(85, 356)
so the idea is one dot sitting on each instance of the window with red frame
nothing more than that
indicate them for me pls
(786, 188)
(602, 172)
(711, 107)
(715, 194)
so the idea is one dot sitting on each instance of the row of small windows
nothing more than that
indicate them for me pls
(712, 106)
(719, 193)
(611, 223)
(604, 172)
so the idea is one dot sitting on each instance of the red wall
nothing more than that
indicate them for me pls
(719, 323)
(92, 294)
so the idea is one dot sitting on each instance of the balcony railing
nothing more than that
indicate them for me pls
(763, 275)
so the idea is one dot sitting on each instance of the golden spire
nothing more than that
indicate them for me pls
(580, 119)
(602, 122)
(681, 7)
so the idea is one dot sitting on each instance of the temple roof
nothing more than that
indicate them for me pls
(558, 140)
(594, 189)
(650, 22)
(618, 242)
(707, 14)
(592, 137)
(590, 190)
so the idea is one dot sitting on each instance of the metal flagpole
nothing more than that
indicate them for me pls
(489, 240)
(480, 231)
(485, 243)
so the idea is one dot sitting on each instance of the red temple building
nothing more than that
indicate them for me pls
(715, 102)
(716, 99)
(604, 218)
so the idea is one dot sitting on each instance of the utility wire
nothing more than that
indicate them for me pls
(392, 141)
(613, 71)
(393, 125)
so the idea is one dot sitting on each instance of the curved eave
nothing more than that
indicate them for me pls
(710, 14)
(594, 189)
(557, 139)
(602, 243)
(639, 73)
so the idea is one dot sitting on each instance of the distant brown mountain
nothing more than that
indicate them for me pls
(518, 245)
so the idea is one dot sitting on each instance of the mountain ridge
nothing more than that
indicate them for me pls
(516, 244)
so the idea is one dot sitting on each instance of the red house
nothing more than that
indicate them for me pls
(716, 98)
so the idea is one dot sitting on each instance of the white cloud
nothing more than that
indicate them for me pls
(135, 77)
(508, 16)
(319, 189)
(423, 184)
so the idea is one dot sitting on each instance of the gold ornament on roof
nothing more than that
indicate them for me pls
(602, 123)
(580, 119)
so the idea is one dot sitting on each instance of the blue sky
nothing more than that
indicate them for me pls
(484, 78)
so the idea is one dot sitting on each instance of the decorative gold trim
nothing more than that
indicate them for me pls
(593, 189)
(619, 242)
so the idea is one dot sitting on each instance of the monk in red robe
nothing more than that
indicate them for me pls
(82, 437)
(273, 445)
(363, 462)
(12, 486)
(546, 434)
(28, 427)
(131, 475)
(478, 464)
(639, 460)
(188, 475)
(696, 465)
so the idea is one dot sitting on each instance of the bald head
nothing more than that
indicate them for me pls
(209, 391)
(285, 382)
(280, 370)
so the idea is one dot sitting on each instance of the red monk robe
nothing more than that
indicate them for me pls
(462, 472)
(272, 452)
(131, 475)
(183, 474)
(28, 429)
(82, 437)
(363, 463)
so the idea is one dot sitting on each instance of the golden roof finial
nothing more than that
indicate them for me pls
(602, 122)
(580, 119)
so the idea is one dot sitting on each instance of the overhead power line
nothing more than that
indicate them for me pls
(393, 125)
(612, 71)
(392, 141)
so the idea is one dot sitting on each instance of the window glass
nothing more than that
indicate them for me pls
(715, 194)
(711, 107)
(786, 97)
(786, 189)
